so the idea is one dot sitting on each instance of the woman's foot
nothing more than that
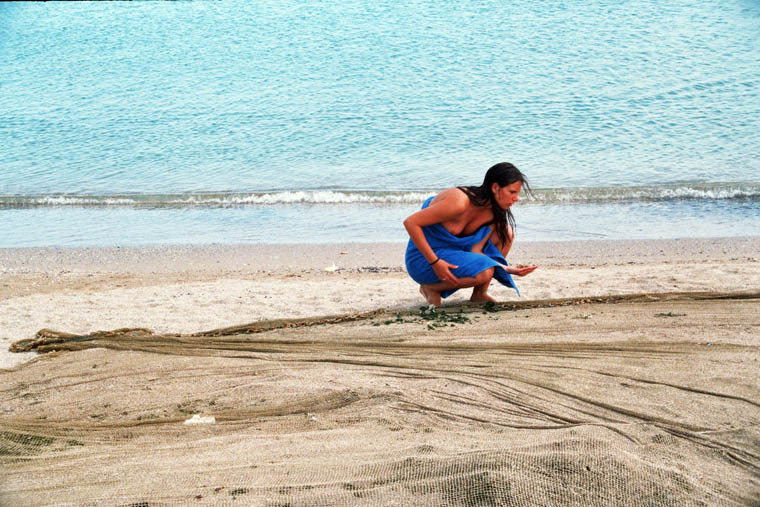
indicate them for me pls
(481, 297)
(432, 297)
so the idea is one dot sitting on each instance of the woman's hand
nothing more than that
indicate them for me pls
(443, 269)
(520, 270)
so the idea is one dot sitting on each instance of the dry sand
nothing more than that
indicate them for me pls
(184, 289)
(601, 400)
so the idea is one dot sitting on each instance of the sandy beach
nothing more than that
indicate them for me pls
(185, 289)
(625, 373)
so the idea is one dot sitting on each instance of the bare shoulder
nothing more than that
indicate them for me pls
(453, 199)
(448, 205)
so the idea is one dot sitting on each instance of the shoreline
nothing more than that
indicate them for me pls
(185, 289)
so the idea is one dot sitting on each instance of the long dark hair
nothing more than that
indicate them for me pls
(504, 174)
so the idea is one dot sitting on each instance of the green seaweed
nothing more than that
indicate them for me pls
(440, 318)
(433, 317)
(490, 307)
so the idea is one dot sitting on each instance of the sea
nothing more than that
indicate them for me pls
(274, 121)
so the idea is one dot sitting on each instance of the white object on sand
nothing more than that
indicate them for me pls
(197, 419)
(332, 268)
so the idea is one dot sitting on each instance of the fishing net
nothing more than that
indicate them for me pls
(636, 400)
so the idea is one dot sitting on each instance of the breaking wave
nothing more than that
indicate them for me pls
(715, 191)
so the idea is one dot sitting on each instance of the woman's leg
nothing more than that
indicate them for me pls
(480, 282)
(480, 292)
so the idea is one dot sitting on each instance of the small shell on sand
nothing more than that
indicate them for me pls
(197, 419)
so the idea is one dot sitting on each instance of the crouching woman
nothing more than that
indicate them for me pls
(460, 238)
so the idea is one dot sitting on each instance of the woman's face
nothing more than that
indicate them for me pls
(507, 195)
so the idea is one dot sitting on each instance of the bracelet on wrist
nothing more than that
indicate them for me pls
(436, 260)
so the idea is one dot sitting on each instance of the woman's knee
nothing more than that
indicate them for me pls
(484, 276)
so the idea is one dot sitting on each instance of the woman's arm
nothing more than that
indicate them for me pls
(504, 249)
(450, 204)
(480, 245)
(506, 245)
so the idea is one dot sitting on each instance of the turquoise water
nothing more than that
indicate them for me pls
(273, 122)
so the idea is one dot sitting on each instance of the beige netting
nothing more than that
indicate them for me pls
(650, 401)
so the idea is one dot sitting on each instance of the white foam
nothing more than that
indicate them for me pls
(652, 193)
(541, 196)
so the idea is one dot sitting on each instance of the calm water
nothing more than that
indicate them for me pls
(271, 122)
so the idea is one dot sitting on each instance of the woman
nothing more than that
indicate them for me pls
(460, 237)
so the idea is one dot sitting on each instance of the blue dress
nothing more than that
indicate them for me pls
(456, 250)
